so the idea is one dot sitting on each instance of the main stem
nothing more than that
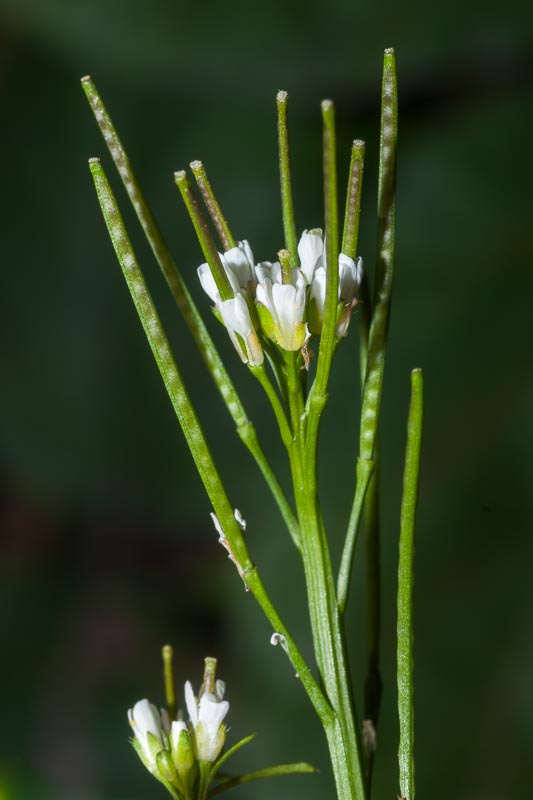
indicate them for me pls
(341, 732)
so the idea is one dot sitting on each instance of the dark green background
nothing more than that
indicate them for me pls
(106, 547)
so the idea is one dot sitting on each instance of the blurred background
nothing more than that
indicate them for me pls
(106, 546)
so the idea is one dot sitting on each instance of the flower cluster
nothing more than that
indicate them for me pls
(285, 306)
(175, 751)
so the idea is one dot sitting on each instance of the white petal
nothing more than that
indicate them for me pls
(208, 282)
(239, 262)
(276, 272)
(317, 299)
(146, 719)
(350, 275)
(289, 302)
(177, 727)
(318, 289)
(220, 688)
(264, 296)
(263, 271)
(236, 315)
(359, 268)
(191, 703)
(212, 713)
(245, 246)
(310, 250)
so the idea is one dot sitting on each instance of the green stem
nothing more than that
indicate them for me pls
(207, 243)
(365, 315)
(353, 199)
(295, 393)
(215, 212)
(327, 336)
(364, 472)
(168, 676)
(320, 702)
(155, 334)
(384, 264)
(373, 683)
(289, 225)
(249, 437)
(279, 412)
(244, 427)
(318, 395)
(406, 712)
(342, 736)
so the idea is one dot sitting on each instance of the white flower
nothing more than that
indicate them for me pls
(147, 726)
(350, 275)
(207, 715)
(236, 317)
(178, 725)
(238, 263)
(285, 303)
(310, 251)
(266, 270)
(181, 747)
(317, 299)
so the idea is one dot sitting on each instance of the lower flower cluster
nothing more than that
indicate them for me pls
(177, 752)
(284, 305)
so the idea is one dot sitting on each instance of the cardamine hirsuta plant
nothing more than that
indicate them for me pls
(286, 318)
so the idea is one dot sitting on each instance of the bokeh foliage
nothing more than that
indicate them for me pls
(106, 545)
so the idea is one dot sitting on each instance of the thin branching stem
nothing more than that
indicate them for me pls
(352, 210)
(318, 395)
(211, 203)
(377, 337)
(405, 666)
(244, 427)
(287, 206)
(168, 678)
(207, 243)
(232, 537)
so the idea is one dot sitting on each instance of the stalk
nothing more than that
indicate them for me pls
(342, 735)
(406, 711)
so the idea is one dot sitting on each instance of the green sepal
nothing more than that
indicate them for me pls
(183, 753)
(266, 321)
(217, 314)
(252, 308)
(166, 773)
(314, 319)
(142, 755)
(208, 748)
(155, 747)
(166, 768)
(299, 337)
(344, 316)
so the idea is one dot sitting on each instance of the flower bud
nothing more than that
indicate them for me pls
(148, 741)
(281, 311)
(181, 747)
(207, 713)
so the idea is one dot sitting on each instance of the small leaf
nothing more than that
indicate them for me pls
(229, 753)
(269, 772)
